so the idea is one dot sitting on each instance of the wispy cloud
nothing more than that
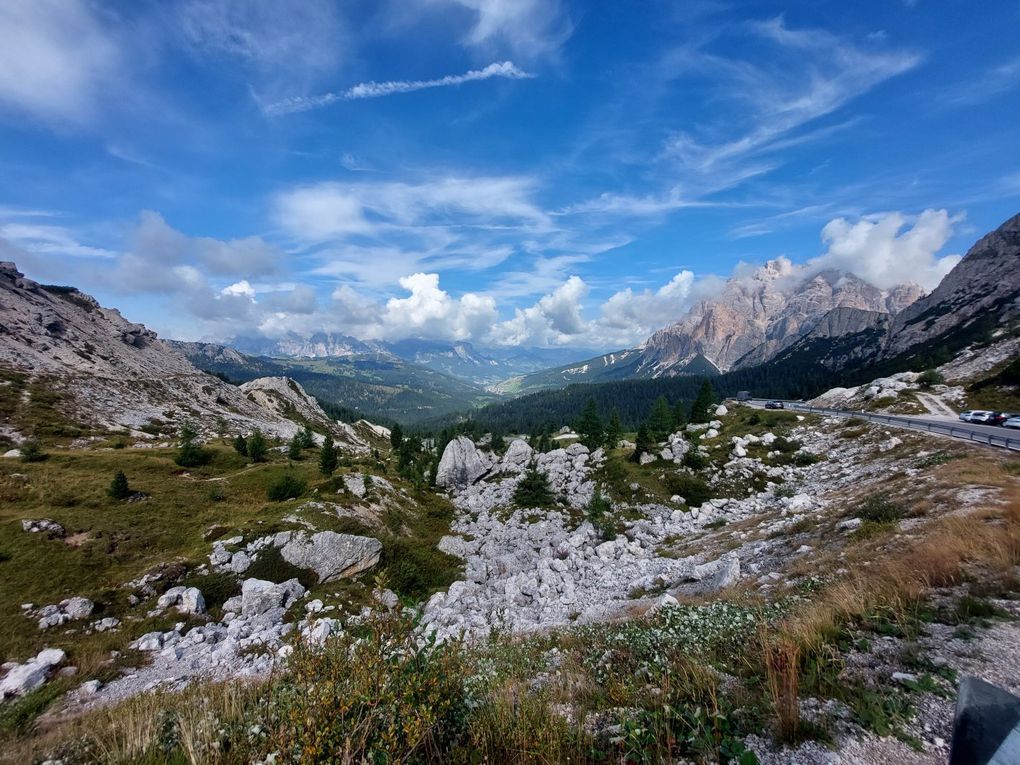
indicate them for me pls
(504, 69)
(991, 84)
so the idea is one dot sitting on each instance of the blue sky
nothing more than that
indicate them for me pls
(537, 172)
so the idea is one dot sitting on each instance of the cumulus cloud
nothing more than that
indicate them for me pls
(502, 69)
(56, 60)
(430, 311)
(890, 248)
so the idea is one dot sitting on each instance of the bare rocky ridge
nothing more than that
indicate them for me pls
(758, 316)
(120, 374)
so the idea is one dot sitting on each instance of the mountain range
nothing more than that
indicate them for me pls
(772, 324)
(482, 366)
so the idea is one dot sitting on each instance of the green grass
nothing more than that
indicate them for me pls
(117, 541)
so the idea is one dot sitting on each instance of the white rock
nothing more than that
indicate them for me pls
(22, 679)
(330, 555)
(461, 464)
(49, 657)
(721, 411)
(79, 608)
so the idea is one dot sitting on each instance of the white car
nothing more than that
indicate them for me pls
(965, 415)
(1012, 422)
(980, 415)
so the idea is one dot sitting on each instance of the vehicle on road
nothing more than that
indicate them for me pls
(1012, 422)
(965, 415)
(774, 405)
(981, 416)
(998, 418)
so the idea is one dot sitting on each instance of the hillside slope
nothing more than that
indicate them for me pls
(101, 371)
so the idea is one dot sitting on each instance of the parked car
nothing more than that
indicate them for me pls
(1012, 422)
(980, 416)
(998, 418)
(774, 405)
(965, 415)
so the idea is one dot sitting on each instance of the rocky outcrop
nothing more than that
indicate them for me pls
(23, 678)
(461, 464)
(330, 555)
(268, 601)
(982, 288)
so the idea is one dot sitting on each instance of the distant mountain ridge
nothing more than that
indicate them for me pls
(484, 366)
(750, 322)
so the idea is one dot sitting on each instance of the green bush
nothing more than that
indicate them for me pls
(270, 565)
(380, 696)
(930, 377)
(695, 460)
(533, 490)
(32, 452)
(786, 445)
(805, 458)
(119, 488)
(693, 489)
(414, 569)
(878, 508)
(599, 514)
(285, 487)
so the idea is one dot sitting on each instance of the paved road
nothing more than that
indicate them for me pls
(989, 435)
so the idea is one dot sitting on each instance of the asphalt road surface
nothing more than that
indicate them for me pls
(991, 435)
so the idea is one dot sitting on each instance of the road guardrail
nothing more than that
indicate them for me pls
(1011, 443)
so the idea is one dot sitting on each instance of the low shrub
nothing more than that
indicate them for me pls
(804, 458)
(533, 490)
(695, 460)
(217, 588)
(693, 489)
(878, 508)
(415, 569)
(31, 451)
(285, 487)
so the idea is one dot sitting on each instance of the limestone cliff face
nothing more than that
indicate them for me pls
(984, 286)
(760, 315)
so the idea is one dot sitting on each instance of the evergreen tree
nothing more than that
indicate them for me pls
(294, 448)
(589, 427)
(241, 445)
(614, 430)
(257, 446)
(679, 415)
(533, 490)
(396, 437)
(705, 399)
(660, 419)
(644, 444)
(190, 454)
(498, 442)
(327, 456)
(119, 488)
(306, 438)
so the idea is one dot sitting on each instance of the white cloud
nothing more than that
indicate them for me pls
(57, 59)
(644, 312)
(430, 311)
(503, 69)
(267, 34)
(51, 240)
(880, 250)
(241, 288)
(332, 211)
(531, 28)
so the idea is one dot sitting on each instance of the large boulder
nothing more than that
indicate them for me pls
(517, 457)
(26, 677)
(461, 465)
(330, 555)
(263, 599)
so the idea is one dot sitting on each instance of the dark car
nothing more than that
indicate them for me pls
(774, 405)
(997, 418)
